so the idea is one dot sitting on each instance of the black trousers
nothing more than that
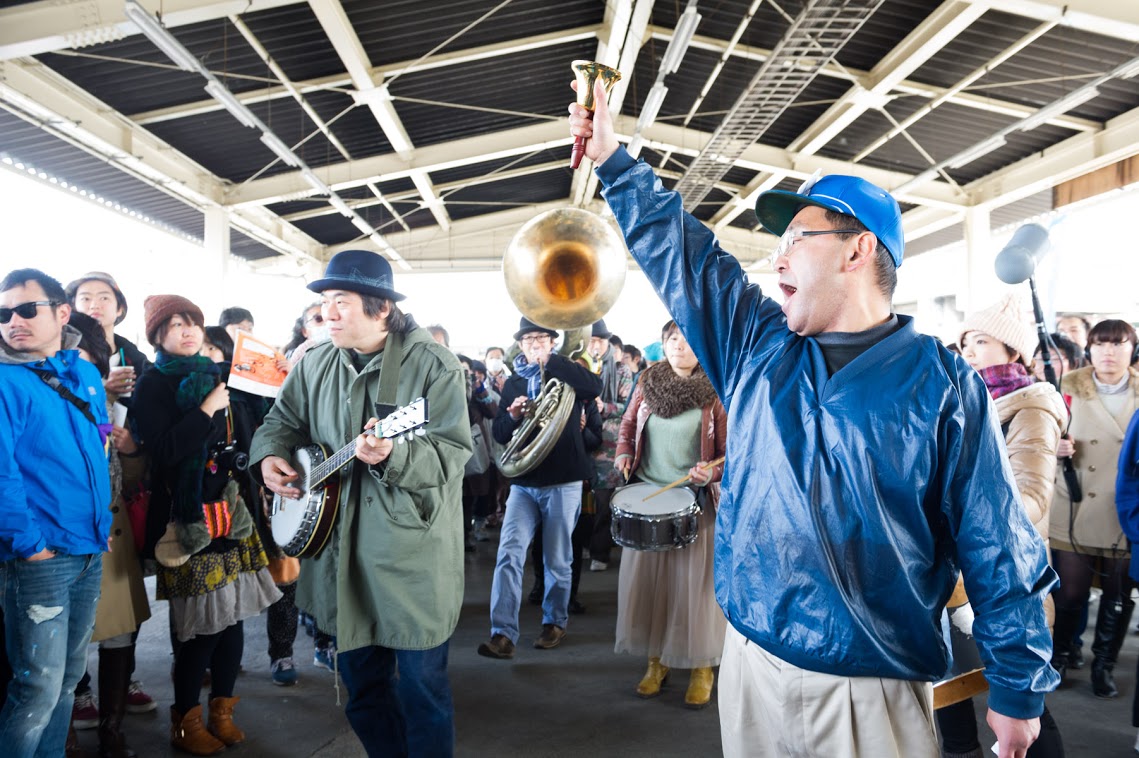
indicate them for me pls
(281, 623)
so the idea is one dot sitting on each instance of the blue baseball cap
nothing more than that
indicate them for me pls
(873, 206)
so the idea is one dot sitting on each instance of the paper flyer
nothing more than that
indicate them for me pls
(254, 367)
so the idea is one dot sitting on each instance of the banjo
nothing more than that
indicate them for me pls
(302, 526)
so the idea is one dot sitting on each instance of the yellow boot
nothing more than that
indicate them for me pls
(188, 733)
(221, 720)
(653, 679)
(699, 688)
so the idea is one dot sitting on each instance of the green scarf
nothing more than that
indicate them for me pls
(199, 377)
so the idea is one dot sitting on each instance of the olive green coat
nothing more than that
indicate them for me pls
(392, 571)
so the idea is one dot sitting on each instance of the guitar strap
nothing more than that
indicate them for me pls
(389, 375)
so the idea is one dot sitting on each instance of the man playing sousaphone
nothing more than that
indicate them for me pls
(548, 495)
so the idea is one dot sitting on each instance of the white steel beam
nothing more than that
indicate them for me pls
(906, 86)
(452, 154)
(935, 32)
(335, 22)
(1073, 157)
(1111, 18)
(380, 73)
(48, 25)
(627, 25)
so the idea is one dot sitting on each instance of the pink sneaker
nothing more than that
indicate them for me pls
(137, 700)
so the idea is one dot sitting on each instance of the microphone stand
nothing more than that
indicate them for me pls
(1070, 478)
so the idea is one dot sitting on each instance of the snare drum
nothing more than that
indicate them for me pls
(666, 522)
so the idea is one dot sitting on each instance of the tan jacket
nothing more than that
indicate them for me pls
(1098, 437)
(1034, 417)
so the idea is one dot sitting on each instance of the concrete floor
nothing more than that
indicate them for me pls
(576, 700)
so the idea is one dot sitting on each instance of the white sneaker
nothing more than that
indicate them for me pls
(598, 565)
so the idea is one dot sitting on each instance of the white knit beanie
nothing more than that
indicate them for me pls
(1005, 322)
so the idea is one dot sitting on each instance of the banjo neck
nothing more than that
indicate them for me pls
(410, 418)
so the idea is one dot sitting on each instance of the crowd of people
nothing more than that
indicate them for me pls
(864, 511)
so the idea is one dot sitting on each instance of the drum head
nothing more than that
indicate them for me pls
(631, 499)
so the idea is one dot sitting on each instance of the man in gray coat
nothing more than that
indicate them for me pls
(389, 582)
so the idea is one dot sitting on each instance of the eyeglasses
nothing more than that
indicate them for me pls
(315, 318)
(530, 339)
(25, 311)
(790, 237)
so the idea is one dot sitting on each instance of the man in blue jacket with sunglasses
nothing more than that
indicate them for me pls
(55, 516)
(865, 468)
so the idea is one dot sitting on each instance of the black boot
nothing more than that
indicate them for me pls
(1063, 632)
(1110, 629)
(114, 677)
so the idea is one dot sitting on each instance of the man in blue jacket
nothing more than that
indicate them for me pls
(866, 467)
(55, 516)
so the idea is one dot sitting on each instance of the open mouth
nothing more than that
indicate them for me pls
(788, 290)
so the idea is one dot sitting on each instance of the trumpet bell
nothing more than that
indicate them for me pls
(565, 268)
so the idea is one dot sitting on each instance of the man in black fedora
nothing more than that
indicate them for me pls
(389, 582)
(547, 496)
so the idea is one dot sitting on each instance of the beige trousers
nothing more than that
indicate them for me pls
(770, 708)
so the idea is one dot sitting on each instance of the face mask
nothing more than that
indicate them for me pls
(494, 365)
(319, 333)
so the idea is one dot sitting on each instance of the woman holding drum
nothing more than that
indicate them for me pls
(666, 604)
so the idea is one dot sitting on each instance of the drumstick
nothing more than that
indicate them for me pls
(683, 479)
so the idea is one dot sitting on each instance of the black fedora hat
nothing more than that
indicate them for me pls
(525, 326)
(359, 271)
(600, 330)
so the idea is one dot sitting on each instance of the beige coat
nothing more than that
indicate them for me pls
(122, 596)
(1098, 438)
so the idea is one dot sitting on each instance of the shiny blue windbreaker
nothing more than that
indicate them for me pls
(53, 462)
(850, 501)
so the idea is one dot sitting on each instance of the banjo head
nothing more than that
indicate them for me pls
(294, 519)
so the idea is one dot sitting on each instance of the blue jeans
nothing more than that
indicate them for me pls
(49, 614)
(556, 509)
(399, 701)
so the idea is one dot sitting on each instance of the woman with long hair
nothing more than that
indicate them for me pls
(998, 344)
(1087, 538)
(122, 595)
(666, 604)
(212, 566)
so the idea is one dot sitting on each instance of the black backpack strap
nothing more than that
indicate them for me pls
(52, 381)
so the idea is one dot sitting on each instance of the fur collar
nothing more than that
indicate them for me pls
(668, 394)
(1080, 383)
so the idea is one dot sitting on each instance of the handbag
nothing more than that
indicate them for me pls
(479, 461)
(169, 551)
(137, 506)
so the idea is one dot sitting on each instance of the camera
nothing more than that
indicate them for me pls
(227, 456)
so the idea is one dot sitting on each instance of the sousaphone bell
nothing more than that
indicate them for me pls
(564, 270)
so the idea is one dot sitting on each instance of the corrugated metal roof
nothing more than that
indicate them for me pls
(27, 143)
(444, 103)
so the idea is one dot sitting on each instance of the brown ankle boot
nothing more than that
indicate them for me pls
(221, 720)
(188, 733)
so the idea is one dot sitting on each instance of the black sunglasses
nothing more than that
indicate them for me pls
(25, 311)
